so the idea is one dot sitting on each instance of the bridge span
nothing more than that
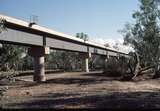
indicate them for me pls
(41, 40)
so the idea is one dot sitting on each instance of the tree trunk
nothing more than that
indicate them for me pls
(157, 73)
(137, 68)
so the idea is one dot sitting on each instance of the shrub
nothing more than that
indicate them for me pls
(116, 67)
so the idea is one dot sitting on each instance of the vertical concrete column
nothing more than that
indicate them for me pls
(105, 59)
(38, 53)
(85, 61)
(108, 56)
(85, 65)
(39, 69)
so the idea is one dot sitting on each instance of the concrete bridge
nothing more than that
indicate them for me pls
(41, 40)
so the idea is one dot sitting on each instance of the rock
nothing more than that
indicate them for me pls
(28, 93)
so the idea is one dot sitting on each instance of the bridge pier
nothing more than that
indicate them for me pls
(39, 69)
(105, 59)
(85, 65)
(85, 61)
(38, 53)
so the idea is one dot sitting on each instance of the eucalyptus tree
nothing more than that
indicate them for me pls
(11, 56)
(144, 34)
(82, 36)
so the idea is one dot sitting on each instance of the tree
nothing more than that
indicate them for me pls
(68, 61)
(27, 63)
(2, 25)
(144, 36)
(82, 36)
(106, 45)
(10, 57)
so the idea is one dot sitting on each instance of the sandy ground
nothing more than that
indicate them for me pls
(80, 90)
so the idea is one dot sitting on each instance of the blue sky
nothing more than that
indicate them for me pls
(97, 18)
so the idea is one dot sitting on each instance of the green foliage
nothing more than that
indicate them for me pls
(65, 60)
(82, 36)
(54, 60)
(27, 63)
(144, 34)
(10, 56)
(2, 25)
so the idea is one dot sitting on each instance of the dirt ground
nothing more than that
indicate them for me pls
(80, 90)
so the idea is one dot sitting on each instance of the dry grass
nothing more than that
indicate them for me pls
(81, 90)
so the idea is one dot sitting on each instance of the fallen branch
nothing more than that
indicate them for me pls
(145, 69)
(8, 75)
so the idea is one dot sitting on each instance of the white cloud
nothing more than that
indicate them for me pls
(112, 43)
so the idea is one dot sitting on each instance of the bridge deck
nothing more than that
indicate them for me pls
(19, 31)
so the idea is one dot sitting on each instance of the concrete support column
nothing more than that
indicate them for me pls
(105, 59)
(39, 69)
(85, 65)
(85, 61)
(38, 53)
(108, 56)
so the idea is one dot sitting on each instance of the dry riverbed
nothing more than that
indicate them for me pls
(80, 90)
